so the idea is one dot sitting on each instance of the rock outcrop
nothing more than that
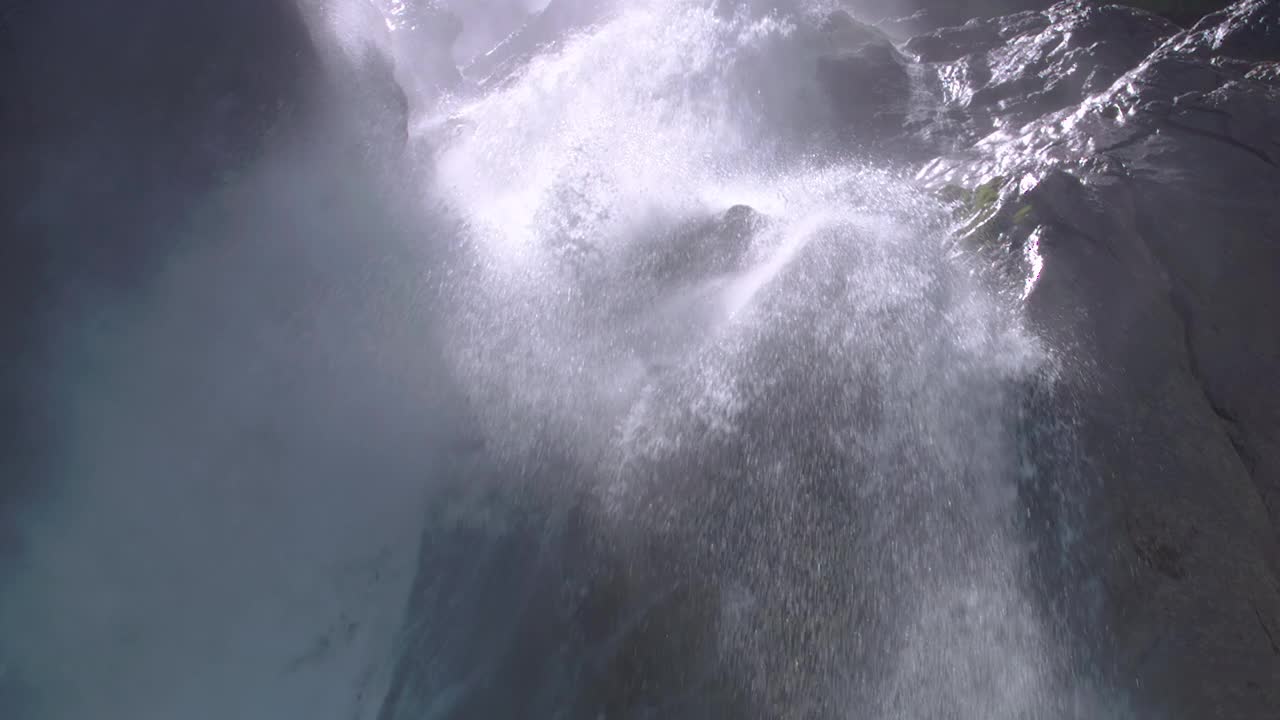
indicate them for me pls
(989, 74)
(1146, 200)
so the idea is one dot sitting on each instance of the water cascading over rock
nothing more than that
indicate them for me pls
(669, 359)
(752, 443)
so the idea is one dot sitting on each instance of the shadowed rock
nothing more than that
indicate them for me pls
(113, 117)
(1007, 71)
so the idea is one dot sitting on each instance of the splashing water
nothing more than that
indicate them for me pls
(741, 439)
(763, 364)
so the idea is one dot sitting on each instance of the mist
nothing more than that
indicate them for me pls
(234, 370)
(396, 359)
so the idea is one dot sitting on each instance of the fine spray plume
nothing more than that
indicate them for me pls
(527, 359)
(733, 396)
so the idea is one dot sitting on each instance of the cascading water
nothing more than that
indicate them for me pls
(793, 421)
(742, 435)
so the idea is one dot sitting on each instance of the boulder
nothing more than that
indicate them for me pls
(863, 80)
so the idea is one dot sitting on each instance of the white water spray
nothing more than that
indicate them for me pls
(757, 366)
(793, 420)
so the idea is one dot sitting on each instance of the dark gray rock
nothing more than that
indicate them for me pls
(956, 12)
(868, 88)
(1154, 217)
(577, 624)
(1246, 30)
(701, 248)
(863, 81)
(1007, 71)
(176, 179)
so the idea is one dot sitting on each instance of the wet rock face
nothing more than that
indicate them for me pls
(1010, 70)
(128, 112)
(1246, 30)
(1152, 198)
(702, 248)
(868, 88)
(167, 83)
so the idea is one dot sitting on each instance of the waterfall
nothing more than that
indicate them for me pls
(754, 361)
(608, 380)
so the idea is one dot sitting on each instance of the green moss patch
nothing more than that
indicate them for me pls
(992, 214)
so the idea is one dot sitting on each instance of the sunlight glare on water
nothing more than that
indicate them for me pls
(614, 307)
